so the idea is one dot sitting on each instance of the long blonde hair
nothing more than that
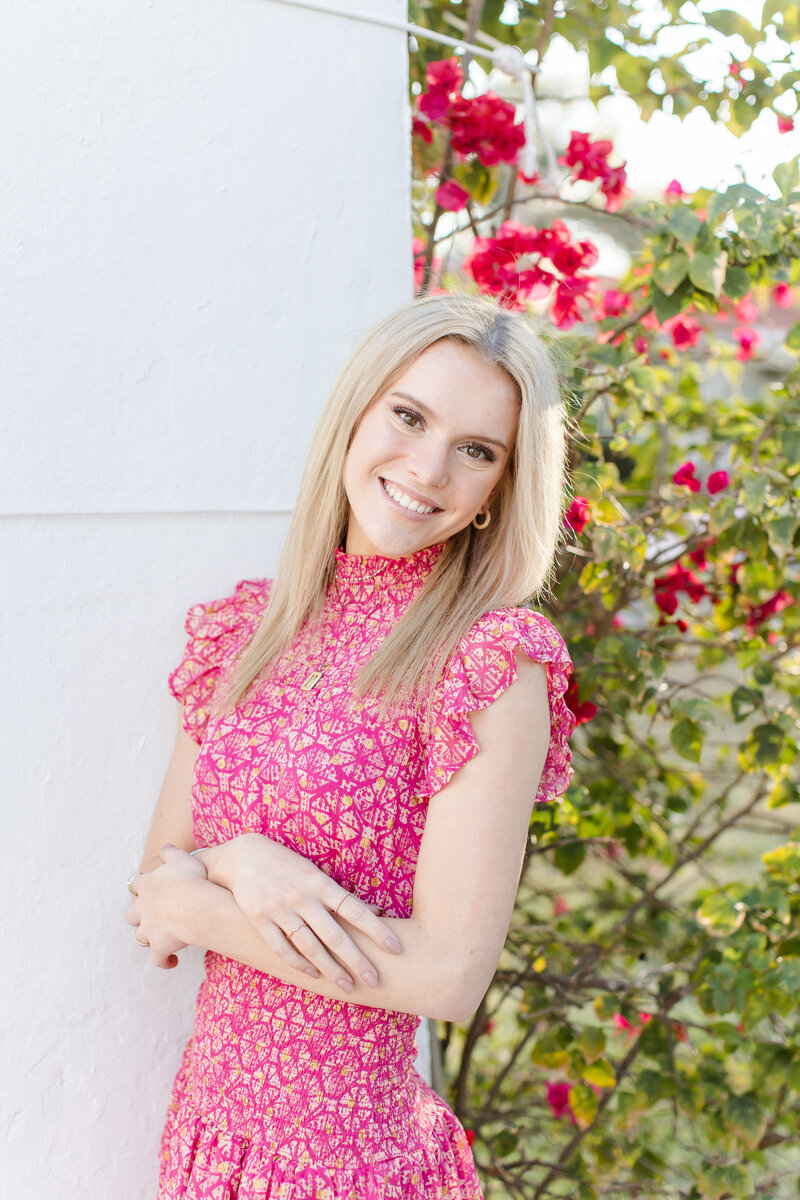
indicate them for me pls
(506, 564)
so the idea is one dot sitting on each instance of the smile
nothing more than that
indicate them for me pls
(405, 501)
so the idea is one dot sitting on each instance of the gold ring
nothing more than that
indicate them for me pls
(294, 931)
(341, 902)
(129, 882)
(138, 943)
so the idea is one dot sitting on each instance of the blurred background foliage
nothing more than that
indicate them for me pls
(641, 1037)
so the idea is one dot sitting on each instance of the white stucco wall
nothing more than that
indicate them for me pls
(205, 204)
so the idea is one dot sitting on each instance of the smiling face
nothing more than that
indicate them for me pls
(429, 452)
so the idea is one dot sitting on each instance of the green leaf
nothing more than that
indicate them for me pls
(568, 856)
(687, 738)
(765, 745)
(592, 1042)
(707, 271)
(787, 177)
(745, 701)
(550, 1050)
(721, 914)
(665, 306)
(737, 283)
(793, 337)
(671, 271)
(685, 224)
(733, 1180)
(583, 1102)
(783, 862)
(780, 533)
(744, 1116)
(600, 1073)
(504, 1142)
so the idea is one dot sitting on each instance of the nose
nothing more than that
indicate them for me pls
(428, 464)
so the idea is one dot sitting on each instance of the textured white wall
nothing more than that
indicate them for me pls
(205, 203)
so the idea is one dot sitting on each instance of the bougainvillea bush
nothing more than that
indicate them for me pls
(641, 1037)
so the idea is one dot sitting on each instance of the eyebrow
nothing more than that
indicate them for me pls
(427, 412)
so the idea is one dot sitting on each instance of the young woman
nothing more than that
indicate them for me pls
(360, 745)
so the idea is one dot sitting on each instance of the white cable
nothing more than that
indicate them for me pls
(508, 59)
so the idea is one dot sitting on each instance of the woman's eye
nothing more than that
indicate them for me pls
(477, 452)
(409, 417)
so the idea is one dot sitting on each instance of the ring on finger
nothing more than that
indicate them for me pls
(129, 883)
(138, 943)
(341, 902)
(294, 931)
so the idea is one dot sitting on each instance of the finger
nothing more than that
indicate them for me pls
(361, 916)
(306, 940)
(132, 914)
(165, 961)
(335, 939)
(280, 945)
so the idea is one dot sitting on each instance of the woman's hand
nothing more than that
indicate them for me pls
(149, 911)
(295, 906)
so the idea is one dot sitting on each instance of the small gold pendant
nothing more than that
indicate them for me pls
(311, 682)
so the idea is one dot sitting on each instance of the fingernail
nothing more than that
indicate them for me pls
(370, 978)
(346, 985)
(313, 972)
(392, 944)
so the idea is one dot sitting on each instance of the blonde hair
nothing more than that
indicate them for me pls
(506, 564)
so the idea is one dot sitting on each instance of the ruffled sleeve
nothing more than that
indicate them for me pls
(481, 668)
(216, 630)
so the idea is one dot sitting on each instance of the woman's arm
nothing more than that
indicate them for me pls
(466, 880)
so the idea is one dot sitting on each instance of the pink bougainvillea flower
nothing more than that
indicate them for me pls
(785, 124)
(746, 310)
(470, 1136)
(749, 340)
(758, 613)
(667, 602)
(451, 196)
(698, 555)
(558, 1101)
(446, 74)
(565, 310)
(589, 160)
(673, 188)
(485, 126)
(717, 481)
(421, 129)
(560, 907)
(685, 477)
(679, 1031)
(531, 180)
(735, 68)
(783, 295)
(613, 304)
(582, 711)
(641, 345)
(577, 515)
(680, 579)
(683, 330)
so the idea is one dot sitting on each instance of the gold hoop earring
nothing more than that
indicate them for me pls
(486, 521)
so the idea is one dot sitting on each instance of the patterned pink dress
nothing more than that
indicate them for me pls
(283, 1094)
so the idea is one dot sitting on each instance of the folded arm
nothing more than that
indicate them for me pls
(465, 884)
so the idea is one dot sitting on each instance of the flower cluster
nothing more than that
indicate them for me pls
(484, 126)
(666, 589)
(493, 262)
(685, 477)
(589, 160)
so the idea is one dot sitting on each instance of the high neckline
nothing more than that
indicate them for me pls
(359, 574)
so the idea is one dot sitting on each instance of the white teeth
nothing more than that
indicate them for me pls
(402, 498)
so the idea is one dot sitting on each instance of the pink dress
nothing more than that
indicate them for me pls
(283, 1094)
